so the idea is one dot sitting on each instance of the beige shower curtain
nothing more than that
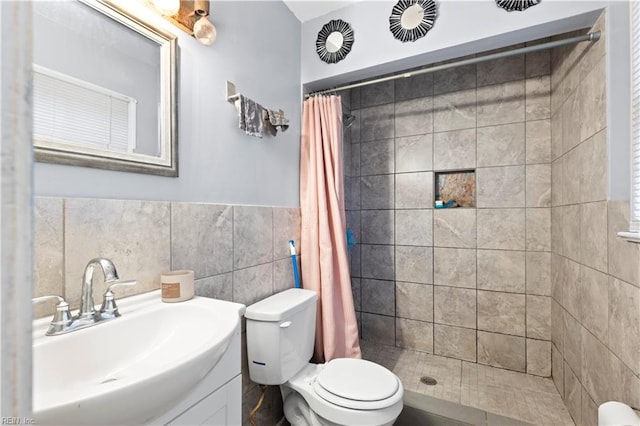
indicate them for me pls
(325, 267)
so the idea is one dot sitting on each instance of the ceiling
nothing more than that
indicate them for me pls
(306, 10)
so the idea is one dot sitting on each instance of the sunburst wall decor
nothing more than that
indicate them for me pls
(519, 5)
(334, 41)
(412, 19)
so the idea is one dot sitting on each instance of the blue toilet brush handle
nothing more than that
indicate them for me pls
(292, 247)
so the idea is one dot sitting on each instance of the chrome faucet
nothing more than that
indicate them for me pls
(62, 319)
(87, 307)
(87, 316)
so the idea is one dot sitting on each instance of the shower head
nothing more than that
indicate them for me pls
(347, 120)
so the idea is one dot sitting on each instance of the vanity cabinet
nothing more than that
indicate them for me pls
(222, 407)
(216, 399)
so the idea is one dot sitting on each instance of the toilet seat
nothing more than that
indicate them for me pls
(337, 410)
(357, 384)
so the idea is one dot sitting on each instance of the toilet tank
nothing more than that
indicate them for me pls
(281, 333)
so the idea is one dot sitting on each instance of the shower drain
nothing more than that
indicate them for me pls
(429, 381)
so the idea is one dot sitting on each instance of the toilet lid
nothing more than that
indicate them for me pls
(347, 381)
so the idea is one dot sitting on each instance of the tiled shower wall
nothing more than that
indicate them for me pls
(595, 309)
(467, 283)
(238, 253)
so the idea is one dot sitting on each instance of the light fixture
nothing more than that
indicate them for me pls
(203, 29)
(191, 17)
(167, 7)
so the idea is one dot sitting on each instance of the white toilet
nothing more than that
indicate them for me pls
(345, 391)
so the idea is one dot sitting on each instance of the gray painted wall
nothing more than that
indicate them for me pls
(618, 100)
(258, 48)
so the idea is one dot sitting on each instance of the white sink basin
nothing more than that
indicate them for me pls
(133, 368)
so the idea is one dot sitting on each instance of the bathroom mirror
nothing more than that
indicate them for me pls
(412, 19)
(104, 89)
(334, 41)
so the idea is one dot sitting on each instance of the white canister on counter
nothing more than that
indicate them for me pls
(177, 286)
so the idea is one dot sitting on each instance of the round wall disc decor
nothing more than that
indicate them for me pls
(520, 5)
(412, 19)
(334, 41)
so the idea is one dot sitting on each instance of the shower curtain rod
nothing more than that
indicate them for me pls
(595, 36)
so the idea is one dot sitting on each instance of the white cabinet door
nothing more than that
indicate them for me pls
(223, 407)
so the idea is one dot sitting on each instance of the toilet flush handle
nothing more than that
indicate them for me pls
(285, 324)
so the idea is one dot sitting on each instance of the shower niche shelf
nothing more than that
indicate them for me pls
(456, 185)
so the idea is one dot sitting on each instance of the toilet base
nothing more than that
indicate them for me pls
(298, 413)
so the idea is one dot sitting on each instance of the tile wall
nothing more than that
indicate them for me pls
(238, 253)
(595, 310)
(467, 283)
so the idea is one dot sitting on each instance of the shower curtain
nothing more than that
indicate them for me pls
(325, 267)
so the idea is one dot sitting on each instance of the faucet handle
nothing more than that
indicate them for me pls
(62, 317)
(109, 307)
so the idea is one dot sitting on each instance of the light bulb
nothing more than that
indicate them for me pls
(167, 7)
(204, 31)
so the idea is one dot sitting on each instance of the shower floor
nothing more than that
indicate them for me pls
(420, 409)
(518, 396)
